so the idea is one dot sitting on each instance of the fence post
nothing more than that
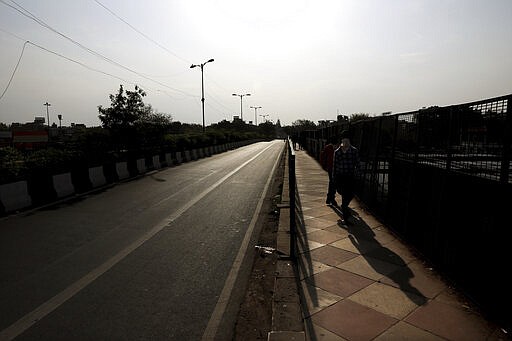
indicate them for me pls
(505, 159)
(291, 190)
(449, 141)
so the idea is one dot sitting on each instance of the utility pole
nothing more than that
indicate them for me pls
(47, 113)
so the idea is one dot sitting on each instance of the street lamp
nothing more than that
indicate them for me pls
(241, 116)
(47, 113)
(255, 115)
(265, 116)
(202, 83)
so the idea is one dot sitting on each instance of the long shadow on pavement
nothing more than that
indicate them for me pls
(363, 238)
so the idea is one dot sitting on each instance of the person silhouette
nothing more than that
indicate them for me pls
(346, 164)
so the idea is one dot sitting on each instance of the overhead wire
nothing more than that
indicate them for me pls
(75, 62)
(14, 71)
(20, 9)
(159, 45)
(141, 33)
(23, 11)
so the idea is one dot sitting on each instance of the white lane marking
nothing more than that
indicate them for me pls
(214, 323)
(46, 308)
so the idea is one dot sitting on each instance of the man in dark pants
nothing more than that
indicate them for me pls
(327, 159)
(346, 163)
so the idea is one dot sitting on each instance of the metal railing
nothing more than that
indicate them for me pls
(292, 190)
(441, 178)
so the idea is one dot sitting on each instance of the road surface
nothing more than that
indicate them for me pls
(159, 257)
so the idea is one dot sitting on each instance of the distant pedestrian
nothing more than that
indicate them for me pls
(294, 141)
(346, 164)
(327, 162)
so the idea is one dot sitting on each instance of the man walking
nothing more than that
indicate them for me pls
(346, 163)
(327, 161)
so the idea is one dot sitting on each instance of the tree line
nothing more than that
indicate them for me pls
(131, 128)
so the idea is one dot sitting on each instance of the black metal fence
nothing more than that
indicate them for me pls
(441, 178)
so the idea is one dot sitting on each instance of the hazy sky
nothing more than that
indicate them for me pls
(299, 59)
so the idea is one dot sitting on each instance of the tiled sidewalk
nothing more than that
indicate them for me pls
(360, 282)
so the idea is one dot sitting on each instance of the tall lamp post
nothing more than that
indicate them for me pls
(255, 115)
(202, 83)
(265, 116)
(47, 113)
(241, 116)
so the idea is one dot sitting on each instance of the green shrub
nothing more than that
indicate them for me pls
(12, 165)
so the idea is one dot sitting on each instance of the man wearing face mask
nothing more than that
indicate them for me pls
(346, 164)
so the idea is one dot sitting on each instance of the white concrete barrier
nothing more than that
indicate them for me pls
(187, 155)
(141, 166)
(156, 162)
(63, 185)
(179, 158)
(14, 196)
(122, 170)
(168, 159)
(97, 176)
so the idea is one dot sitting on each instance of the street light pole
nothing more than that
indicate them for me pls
(255, 115)
(241, 115)
(47, 113)
(265, 116)
(202, 83)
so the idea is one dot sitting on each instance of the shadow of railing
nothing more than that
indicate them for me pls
(298, 236)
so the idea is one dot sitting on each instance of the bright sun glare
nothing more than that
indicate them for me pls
(265, 26)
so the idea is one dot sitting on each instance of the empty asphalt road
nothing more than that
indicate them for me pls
(156, 258)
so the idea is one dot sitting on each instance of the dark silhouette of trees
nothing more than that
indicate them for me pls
(131, 123)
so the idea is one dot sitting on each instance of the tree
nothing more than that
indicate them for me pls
(359, 117)
(125, 109)
(120, 118)
(303, 124)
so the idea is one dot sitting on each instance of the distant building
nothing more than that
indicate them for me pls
(39, 120)
(29, 139)
(5, 138)
(36, 135)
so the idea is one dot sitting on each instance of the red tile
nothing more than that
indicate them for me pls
(450, 322)
(353, 321)
(324, 237)
(331, 255)
(339, 282)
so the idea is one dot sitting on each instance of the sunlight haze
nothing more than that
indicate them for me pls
(298, 59)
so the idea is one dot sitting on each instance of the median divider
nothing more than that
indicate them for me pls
(63, 185)
(156, 162)
(97, 177)
(15, 196)
(44, 189)
(122, 170)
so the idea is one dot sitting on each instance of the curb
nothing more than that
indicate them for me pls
(287, 321)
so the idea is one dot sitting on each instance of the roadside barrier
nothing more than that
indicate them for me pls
(141, 166)
(45, 189)
(15, 196)
(97, 177)
(156, 162)
(122, 170)
(63, 185)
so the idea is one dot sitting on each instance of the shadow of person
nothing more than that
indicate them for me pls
(378, 256)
